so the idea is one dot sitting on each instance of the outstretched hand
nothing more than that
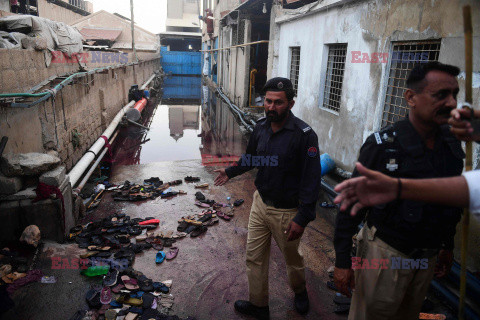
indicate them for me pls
(460, 126)
(222, 178)
(372, 188)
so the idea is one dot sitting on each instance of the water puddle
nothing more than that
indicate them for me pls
(189, 123)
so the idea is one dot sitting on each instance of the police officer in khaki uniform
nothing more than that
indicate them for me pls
(285, 151)
(415, 238)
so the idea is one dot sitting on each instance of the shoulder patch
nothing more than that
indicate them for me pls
(306, 129)
(377, 137)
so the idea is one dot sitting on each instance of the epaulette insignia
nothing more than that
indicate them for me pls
(377, 138)
(306, 129)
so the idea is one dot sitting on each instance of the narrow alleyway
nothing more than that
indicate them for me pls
(209, 273)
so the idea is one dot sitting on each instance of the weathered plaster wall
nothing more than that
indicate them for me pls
(221, 8)
(87, 106)
(368, 26)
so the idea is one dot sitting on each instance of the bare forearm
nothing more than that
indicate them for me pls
(447, 191)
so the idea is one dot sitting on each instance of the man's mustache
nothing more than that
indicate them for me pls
(444, 111)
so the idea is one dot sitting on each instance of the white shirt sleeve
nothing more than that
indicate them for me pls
(473, 182)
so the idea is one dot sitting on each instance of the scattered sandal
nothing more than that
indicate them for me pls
(199, 196)
(130, 284)
(210, 222)
(202, 205)
(198, 231)
(238, 202)
(160, 256)
(172, 253)
(106, 295)
(223, 216)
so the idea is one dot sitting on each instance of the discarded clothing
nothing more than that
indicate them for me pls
(32, 276)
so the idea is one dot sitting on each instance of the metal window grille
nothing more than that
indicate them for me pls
(404, 56)
(337, 54)
(295, 67)
(234, 35)
(241, 32)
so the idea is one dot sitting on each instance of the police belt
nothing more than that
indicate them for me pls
(279, 204)
(410, 251)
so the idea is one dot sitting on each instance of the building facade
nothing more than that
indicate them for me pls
(349, 61)
(66, 11)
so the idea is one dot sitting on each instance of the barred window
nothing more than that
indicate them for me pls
(238, 33)
(294, 67)
(404, 56)
(241, 32)
(337, 54)
(234, 35)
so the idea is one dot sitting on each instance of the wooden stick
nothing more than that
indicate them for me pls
(467, 25)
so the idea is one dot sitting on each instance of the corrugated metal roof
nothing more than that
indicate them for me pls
(100, 34)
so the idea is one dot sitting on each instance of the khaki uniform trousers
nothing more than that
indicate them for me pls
(265, 222)
(387, 294)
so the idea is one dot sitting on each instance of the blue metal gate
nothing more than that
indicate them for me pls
(182, 88)
(181, 62)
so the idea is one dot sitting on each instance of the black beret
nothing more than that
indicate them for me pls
(278, 84)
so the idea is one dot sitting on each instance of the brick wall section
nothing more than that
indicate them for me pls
(88, 106)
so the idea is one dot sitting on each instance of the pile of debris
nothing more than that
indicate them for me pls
(30, 32)
(112, 243)
(16, 265)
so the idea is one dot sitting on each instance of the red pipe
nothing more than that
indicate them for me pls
(140, 105)
(135, 112)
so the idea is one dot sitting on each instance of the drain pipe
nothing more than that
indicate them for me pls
(95, 164)
(82, 165)
(227, 100)
(235, 110)
(145, 85)
(88, 157)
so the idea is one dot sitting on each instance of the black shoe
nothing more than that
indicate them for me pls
(301, 302)
(247, 308)
(199, 196)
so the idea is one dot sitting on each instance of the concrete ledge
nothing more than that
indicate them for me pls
(20, 211)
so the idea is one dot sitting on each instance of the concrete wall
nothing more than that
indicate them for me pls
(57, 13)
(174, 9)
(87, 108)
(221, 8)
(234, 68)
(367, 26)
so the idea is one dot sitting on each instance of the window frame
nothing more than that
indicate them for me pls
(290, 60)
(386, 80)
(323, 81)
